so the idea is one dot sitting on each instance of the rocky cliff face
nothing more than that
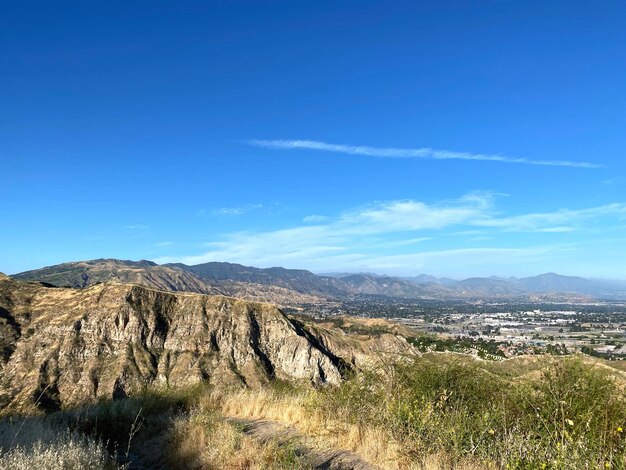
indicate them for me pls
(364, 343)
(61, 347)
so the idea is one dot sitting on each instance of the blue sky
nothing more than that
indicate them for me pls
(453, 138)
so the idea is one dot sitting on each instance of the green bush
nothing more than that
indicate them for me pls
(577, 411)
(570, 417)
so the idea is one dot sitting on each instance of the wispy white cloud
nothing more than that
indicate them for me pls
(403, 236)
(336, 238)
(423, 152)
(135, 227)
(410, 241)
(315, 219)
(239, 210)
(463, 259)
(563, 220)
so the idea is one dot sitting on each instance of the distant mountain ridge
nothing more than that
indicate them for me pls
(82, 274)
(282, 285)
(540, 284)
(304, 281)
(147, 273)
(298, 280)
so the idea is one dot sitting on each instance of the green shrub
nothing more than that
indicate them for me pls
(358, 400)
(577, 411)
(570, 417)
(447, 407)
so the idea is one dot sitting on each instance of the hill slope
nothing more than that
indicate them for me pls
(303, 281)
(66, 346)
(551, 282)
(147, 273)
(298, 280)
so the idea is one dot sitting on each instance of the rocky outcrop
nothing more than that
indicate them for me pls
(375, 345)
(62, 347)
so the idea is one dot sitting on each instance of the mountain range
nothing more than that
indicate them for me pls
(297, 286)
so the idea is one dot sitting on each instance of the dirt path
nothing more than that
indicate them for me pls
(272, 431)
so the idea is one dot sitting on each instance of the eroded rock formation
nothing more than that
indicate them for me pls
(62, 347)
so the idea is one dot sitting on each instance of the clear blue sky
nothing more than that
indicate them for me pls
(454, 138)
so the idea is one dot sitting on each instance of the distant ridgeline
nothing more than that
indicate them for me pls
(233, 279)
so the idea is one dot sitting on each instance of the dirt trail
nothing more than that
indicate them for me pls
(272, 431)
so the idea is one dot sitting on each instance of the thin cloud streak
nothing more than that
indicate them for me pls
(360, 239)
(240, 210)
(424, 153)
(558, 221)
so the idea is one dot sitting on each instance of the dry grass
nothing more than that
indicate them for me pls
(375, 444)
(34, 444)
(63, 454)
(206, 441)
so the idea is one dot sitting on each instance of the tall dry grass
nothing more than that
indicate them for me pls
(376, 443)
(33, 443)
(204, 440)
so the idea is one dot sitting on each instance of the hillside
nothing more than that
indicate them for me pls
(184, 380)
(346, 284)
(111, 340)
(147, 273)
(549, 283)
(276, 285)
(298, 280)
(487, 287)
(306, 282)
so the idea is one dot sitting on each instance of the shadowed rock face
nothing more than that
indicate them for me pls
(61, 347)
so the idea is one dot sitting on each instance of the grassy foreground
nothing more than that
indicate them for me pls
(437, 411)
